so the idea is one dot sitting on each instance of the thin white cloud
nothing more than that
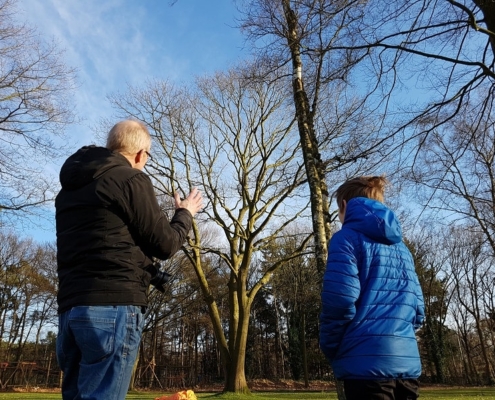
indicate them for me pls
(113, 43)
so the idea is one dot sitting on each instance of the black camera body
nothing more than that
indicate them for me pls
(158, 277)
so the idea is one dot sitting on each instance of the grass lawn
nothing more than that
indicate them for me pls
(426, 394)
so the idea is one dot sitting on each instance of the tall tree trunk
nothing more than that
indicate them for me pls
(315, 170)
(196, 354)
(304, 351)
(21, 342)
(309, 143)
(239, 325)
(279, 352)
(488, 378)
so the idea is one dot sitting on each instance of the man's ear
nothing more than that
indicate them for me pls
(139, 156)
(137, 159)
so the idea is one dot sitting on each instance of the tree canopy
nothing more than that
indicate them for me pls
(35, 86)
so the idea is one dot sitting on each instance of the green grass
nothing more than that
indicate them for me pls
(426, 394)
(458, 394)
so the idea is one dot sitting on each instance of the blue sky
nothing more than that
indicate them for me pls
(113, 43)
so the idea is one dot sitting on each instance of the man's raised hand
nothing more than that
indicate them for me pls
(193, 203)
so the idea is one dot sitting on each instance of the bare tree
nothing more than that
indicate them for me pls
(27, 293)
(418, 63)
(34, 109)
(471, 263)
(430, 59)
(234, 137)
(430, 260)
(314, 38)
(296, 286)
(304, 35)
(457, 167)
(169, 318)
(434, 64)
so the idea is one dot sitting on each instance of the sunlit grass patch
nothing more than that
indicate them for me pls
(426, 394)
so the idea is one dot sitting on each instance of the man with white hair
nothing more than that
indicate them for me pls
(109, 229)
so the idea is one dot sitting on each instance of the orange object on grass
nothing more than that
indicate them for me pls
(183, 395)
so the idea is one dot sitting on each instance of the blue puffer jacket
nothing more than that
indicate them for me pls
(372, 302)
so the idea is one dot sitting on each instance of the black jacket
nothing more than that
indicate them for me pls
(109, 226)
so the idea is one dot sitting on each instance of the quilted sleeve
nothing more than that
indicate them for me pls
(420, 309)
(340, 291)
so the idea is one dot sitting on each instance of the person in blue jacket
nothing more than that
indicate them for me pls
(372, 302)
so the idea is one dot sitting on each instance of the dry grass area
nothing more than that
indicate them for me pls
(289, 385)
(261, 385)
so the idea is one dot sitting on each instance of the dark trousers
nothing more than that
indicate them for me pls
(392, 389)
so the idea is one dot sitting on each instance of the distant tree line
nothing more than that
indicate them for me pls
(179, 348)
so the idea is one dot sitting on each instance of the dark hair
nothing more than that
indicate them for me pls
(372, 187)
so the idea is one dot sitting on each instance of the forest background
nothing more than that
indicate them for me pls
(318, 92)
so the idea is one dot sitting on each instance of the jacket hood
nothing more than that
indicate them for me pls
(373, 219)
(87, 164)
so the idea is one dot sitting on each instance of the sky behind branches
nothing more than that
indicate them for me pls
(116, 43)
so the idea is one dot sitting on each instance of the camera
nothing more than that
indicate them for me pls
(158, 277)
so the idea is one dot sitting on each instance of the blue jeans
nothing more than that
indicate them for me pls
(96, 350)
